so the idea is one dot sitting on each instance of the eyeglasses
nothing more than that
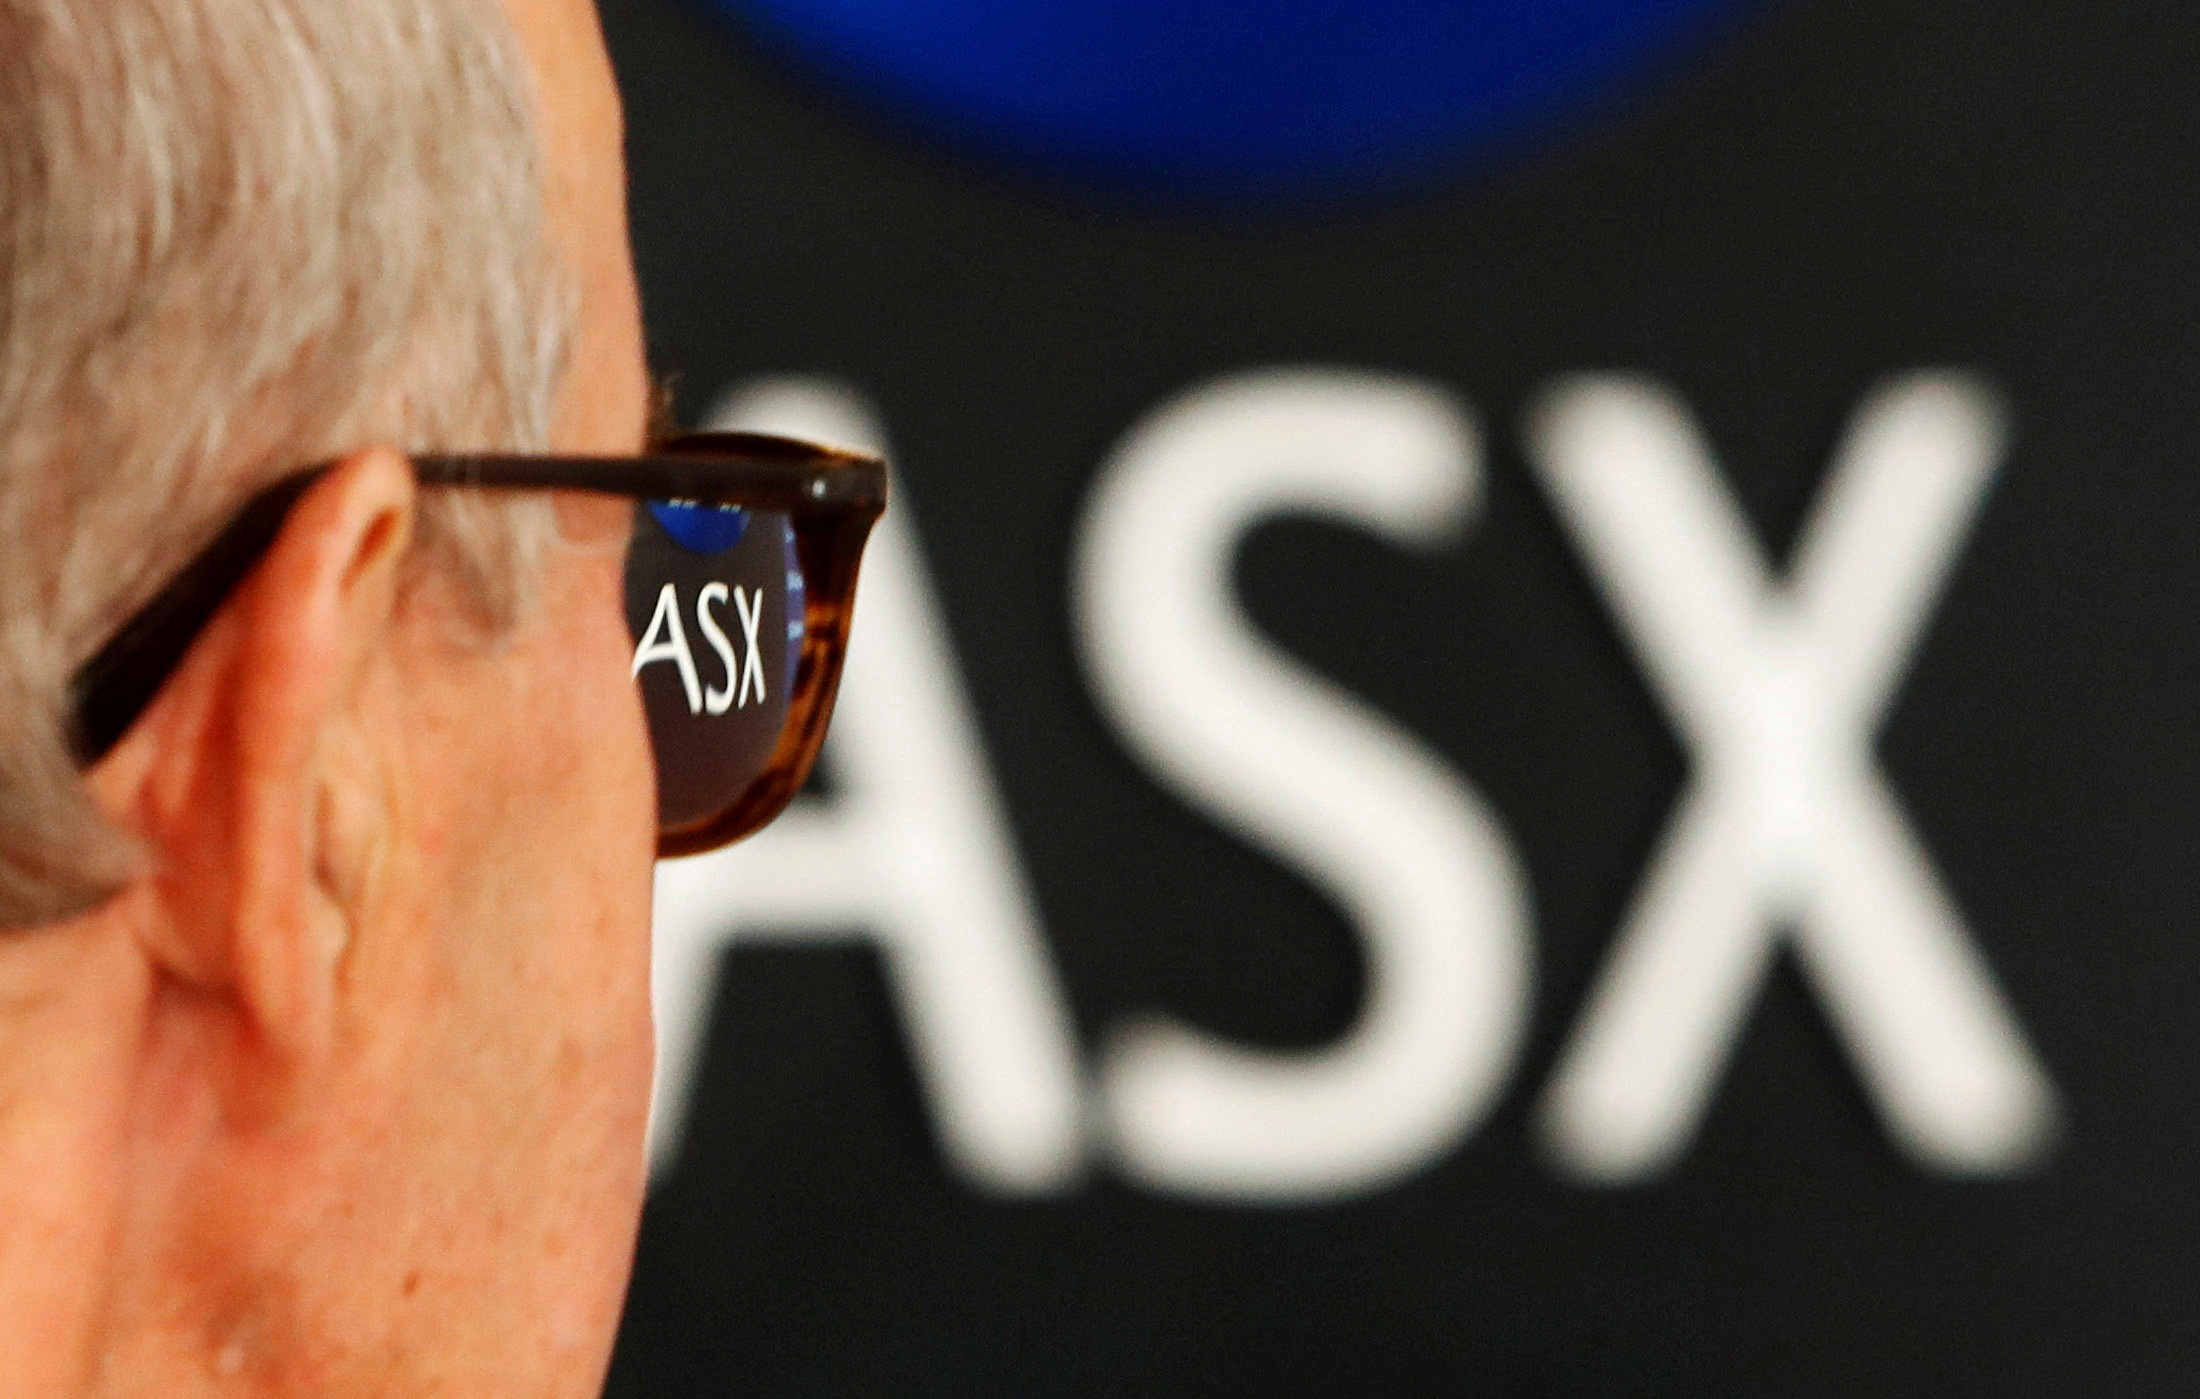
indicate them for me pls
(739, 583)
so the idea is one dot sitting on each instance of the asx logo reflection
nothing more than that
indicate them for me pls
(666, 640)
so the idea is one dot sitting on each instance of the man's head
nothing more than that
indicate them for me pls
(324, 1040)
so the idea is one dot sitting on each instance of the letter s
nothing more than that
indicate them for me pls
(715, 699)
(1305, 771)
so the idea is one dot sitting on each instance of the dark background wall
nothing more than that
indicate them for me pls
(1794, 206)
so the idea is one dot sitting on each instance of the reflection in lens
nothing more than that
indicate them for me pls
(714, 601)
(700, 527)
(797, 610)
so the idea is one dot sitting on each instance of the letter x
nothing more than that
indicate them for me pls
(750, 605)
(1786, 826)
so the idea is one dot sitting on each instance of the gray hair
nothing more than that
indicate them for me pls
(237, 236)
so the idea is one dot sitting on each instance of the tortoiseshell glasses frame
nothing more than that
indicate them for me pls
(821, 501)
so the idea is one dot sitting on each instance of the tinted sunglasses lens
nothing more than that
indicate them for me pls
(715, 602)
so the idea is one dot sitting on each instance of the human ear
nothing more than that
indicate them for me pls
(256, 786)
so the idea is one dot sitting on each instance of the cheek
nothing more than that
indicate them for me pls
(606, 852)
(586, 837)
(519, 1051)
(594, 1051)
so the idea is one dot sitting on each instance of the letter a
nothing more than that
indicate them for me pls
(912, 851)
(666, 640)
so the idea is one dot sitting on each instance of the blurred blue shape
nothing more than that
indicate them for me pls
(1235, 97)
(701, 527)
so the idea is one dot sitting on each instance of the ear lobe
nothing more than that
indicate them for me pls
(245, 749)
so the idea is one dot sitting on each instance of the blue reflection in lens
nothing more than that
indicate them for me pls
(798, 598)
(699, 526)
